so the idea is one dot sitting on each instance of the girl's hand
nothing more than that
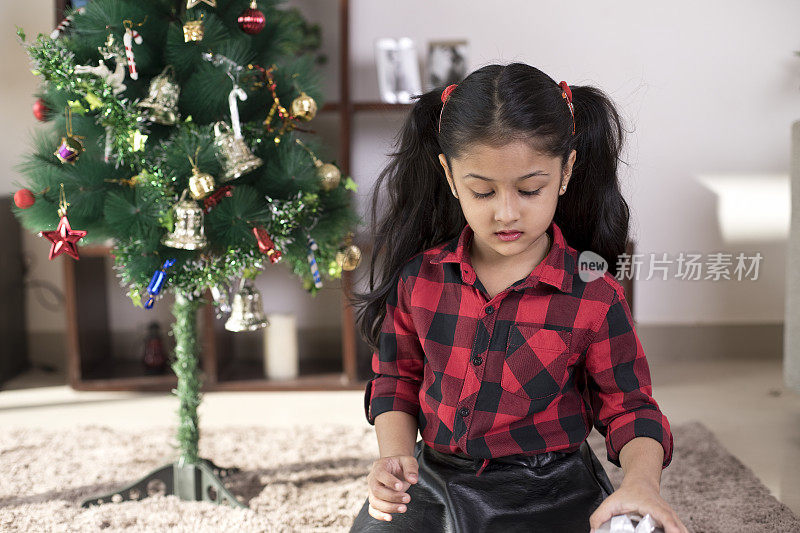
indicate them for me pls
(639, 496)
(388, 480)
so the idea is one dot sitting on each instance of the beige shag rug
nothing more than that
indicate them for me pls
(304, 479)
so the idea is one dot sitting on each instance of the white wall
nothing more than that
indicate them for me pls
(706, 89)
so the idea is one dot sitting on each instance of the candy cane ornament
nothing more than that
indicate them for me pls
(236, 93)
(131, 36)
(312, 262)
(65, 24)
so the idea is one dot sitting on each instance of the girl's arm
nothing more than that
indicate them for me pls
(397, 433)
(641, 459)
(620, 391)
(398, 367)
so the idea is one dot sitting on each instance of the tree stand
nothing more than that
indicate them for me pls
(191, 482)
(191, 478)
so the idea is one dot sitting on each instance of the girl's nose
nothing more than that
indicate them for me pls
(507, 208)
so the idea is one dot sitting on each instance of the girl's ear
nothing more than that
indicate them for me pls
(443, 162)
(448, 177)
(567, 172)
(571, 162)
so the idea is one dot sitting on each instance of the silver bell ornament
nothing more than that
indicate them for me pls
(188, 233)
(233, 153)
(247, 312)
(162, 99)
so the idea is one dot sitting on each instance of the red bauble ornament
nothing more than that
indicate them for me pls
(252, 20)
(24, 198)
(64, 239)
(40, 110)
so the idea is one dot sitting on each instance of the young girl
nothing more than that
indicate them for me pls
(487, 338)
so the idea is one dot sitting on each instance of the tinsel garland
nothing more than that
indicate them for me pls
(184, 329)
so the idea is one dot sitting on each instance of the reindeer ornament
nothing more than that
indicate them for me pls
(115, 79)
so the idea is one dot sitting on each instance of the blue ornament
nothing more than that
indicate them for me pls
(157, 282)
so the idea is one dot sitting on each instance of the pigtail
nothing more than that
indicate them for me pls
(593, 214)
(420, 211)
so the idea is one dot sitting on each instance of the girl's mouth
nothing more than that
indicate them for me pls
(508, 235)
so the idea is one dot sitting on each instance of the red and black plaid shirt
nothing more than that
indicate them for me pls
(528, 371)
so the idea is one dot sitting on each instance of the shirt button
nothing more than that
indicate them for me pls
(463, 411)
(477, 360)
(489, 310)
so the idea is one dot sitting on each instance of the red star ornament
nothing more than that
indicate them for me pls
(64, 239)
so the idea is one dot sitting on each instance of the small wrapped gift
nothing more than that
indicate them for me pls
(630, 523)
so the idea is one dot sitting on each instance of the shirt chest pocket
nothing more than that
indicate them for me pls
(535, 362)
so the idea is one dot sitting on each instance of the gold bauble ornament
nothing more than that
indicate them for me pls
(349, 258)
(329, 176)
(304, 107)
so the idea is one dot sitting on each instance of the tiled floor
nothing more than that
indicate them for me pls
(744, 402)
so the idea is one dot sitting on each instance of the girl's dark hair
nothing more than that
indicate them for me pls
(494, 105)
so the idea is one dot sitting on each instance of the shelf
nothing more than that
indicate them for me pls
(311, 382)
(123, 374)
(367, 106)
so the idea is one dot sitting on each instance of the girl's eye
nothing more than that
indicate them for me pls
(525, 193)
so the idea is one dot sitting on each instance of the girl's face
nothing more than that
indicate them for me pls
(512, 187)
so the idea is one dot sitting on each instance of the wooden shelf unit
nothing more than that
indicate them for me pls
(92, 366)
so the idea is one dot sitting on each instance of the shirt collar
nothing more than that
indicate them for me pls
(556, 269)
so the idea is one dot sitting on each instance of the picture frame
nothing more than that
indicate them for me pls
(447, 62)
(398, 69)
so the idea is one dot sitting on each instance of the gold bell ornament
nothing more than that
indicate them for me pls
(162, 100)
(188, 233)
(233, 153)
(329, 174)
(201, 184)
(247, 312)
(304, 107)
(194, 30)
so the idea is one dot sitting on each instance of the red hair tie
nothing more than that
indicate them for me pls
(445, 96)
(566, 94)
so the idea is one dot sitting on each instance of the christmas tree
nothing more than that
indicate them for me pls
(187, 158)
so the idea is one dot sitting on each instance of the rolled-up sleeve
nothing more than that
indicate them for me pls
(619, 386)
(397, 365)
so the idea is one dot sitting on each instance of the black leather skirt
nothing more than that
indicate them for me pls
(551, 492)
